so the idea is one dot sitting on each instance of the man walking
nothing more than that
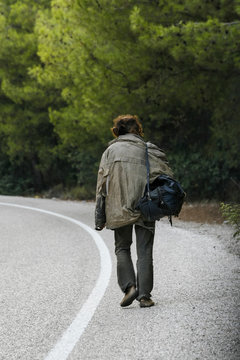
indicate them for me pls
(121, 183)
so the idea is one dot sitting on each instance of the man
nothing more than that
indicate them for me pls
(122, 178)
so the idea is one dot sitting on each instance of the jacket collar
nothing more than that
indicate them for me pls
(128, 137)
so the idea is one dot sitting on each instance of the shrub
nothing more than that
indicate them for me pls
(203, 177)
(232, 213)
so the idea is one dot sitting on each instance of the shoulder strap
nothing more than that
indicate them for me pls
(148, 172)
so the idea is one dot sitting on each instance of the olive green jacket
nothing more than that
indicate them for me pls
(122, 178)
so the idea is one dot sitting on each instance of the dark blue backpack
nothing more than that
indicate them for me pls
(164, 197)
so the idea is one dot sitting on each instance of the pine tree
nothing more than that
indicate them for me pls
(26, 133)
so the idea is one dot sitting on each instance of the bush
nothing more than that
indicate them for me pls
(201, 176)
(80, 193)
(232, 213)
(15, 180)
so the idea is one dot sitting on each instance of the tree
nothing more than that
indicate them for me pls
(26, 133)
(175, 63)
(70, 66)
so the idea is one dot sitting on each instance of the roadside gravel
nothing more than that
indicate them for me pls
(224, 233)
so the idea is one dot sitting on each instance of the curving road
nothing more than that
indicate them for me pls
(54, 272)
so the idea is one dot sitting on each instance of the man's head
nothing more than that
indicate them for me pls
(125, 124)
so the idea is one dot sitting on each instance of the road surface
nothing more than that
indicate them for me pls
(60, 300)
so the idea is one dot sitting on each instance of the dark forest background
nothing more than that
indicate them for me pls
(68, 67)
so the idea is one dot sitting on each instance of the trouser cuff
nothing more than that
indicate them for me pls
(146, 296)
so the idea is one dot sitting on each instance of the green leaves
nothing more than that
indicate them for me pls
(68, 67)
(232, 213)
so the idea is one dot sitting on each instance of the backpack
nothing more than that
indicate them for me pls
(164, 197)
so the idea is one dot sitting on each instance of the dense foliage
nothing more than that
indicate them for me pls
(68, 67)
(232, 214)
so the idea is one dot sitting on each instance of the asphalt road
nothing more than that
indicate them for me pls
(49, 266)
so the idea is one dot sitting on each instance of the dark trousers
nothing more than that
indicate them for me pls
(125, 270)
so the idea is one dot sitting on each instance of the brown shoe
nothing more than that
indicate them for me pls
(144, 302)
(129, 297)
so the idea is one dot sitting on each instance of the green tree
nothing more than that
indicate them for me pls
(27, 136)
(175, 63)
(69, 66)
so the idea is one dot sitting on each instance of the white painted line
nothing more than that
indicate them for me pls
(73, 333)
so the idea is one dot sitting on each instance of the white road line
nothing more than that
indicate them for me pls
(73, 333)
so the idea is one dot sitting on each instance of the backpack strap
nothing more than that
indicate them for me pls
(148, 173)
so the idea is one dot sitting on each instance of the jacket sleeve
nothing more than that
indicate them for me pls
(100, 214)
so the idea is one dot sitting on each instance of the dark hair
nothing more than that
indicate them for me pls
(125, 124)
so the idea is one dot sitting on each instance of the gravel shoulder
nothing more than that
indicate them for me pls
(222, 232)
